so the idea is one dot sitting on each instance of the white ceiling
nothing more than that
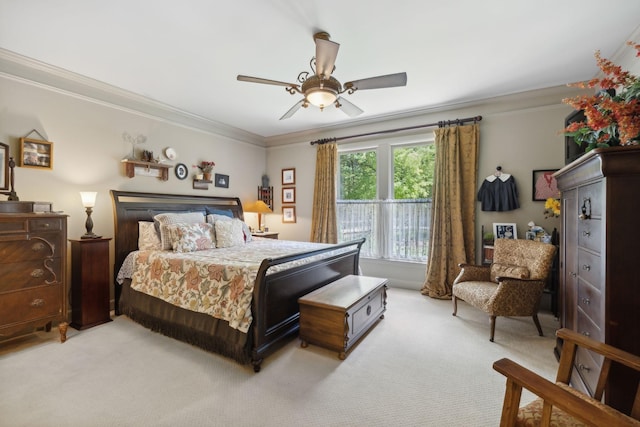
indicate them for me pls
(187, 53)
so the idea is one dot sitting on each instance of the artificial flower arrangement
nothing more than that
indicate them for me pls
(610, 119)
(205, 167)
(552, 208)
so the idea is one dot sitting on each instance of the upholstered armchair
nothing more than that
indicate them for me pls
(512, 285)
(558, 404)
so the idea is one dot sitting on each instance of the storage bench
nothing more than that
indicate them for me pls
(337, 315)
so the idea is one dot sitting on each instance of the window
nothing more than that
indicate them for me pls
(385, 196)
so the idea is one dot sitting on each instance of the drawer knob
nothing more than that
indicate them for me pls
(574, 275)
(38, 302)
(586, 334)
(368, 310)
(37, 273)
(584, 367)
(586, 267)
(586, 301)
(586, 233)
(37, 247)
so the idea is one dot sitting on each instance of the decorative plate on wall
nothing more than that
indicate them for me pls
(170, 153)
(181, 171)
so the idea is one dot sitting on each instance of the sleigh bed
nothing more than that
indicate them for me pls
(279, 282)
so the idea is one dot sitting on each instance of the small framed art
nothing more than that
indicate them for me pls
(289, 176)
(221, 181)
(35, 153)
(545, 185)
(288, 195)
(289, 214)
(505, 230)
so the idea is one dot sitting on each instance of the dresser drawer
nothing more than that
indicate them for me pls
(31, 304)
(33, 247)
(590, 234)
(30, 274)
(590, 300)
(590, 268)
(588, 368)
(587, 328)
(367, 311)
(591, 198)
(45, 224)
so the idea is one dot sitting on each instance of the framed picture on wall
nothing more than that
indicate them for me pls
(545, 185)
(289, 214)
(505, 230)
(288, 195)
(35, 153)
(288, 176)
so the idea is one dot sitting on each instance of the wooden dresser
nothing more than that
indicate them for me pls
(33, 251)
(599, 262)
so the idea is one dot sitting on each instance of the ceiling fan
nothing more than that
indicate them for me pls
(322, 89)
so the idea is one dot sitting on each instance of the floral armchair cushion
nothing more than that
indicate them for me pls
(508, 270)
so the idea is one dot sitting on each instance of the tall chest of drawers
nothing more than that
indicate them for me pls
(33, 255)
(600, 267)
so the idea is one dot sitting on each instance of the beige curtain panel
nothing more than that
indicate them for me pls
(324, 227)
(453, 212)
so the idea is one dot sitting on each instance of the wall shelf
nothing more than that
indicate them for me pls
(138, 167)
(266, 195)
(201, 184)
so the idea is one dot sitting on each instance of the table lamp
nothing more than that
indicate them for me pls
(89, 201)
(260, 208)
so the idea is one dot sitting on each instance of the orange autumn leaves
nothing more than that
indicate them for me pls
(610, 119)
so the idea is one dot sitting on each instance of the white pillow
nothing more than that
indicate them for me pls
(213, 218)
(148, 238)
(229, 233)
(166, 219)
(191, 237)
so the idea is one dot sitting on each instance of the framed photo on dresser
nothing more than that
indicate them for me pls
(505, 230)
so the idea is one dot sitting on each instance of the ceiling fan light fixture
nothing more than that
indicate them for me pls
(321, 97)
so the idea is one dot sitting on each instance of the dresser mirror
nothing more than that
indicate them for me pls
(4, 166)
(6, 172)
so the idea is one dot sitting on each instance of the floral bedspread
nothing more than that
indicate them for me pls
(218, 282)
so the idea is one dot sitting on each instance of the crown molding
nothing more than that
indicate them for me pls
(57, 79)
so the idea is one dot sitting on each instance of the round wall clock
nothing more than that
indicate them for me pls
(181, 171)
(170, 153)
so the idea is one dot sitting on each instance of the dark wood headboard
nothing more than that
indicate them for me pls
(131, 207)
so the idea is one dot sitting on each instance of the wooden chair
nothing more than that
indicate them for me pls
(512, 285)
(559, 404)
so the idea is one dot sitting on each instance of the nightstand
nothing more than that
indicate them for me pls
(89, 282)
(267, 234)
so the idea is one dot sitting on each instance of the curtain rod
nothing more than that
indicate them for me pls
(440, 124)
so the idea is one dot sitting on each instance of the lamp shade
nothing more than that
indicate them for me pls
(258, 207)
(88, 198)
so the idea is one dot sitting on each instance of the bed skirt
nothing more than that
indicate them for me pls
(199, 329)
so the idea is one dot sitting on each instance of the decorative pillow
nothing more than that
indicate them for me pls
(148, 238)
(247, 232)
(508, 270)
(213, 211)
(229, 233)
(166, 219)
(212, 218)
(191, 237)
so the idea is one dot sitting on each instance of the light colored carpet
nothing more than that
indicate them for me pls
(420, 366)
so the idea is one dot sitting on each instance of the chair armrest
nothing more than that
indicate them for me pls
(516, 297)
(472, 272)
(606, 350)
(586, 410)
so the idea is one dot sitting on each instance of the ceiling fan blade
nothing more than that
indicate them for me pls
(326, 53)
(264, 81)
(379, 82)
(292, 110)
(349, 108)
